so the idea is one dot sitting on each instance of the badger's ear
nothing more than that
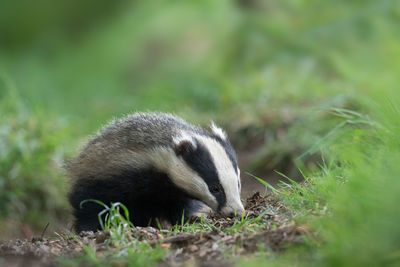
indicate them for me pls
(218, 131)
(184, 145)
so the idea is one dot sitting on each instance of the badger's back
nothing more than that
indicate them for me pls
(123, 144)
(141, 130)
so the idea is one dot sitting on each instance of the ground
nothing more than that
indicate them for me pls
(268, 226)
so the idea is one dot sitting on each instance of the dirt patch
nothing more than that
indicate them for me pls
(270, 224)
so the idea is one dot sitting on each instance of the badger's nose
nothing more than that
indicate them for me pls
(231, 215)
(236, 213)
(231, 212)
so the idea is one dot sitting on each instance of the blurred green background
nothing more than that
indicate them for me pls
(273, 73)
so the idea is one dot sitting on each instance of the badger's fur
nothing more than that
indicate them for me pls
(159, 167)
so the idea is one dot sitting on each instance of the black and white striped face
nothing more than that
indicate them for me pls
(211, 171)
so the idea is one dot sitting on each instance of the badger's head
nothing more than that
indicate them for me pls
(206, 168)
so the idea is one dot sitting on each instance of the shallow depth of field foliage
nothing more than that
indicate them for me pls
(330, 68)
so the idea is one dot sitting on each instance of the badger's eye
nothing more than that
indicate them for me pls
(215, 189)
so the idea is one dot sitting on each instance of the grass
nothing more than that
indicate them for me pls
(350, 203)
(30, 154)
(131, 254)
(113, 219)
(124, 247)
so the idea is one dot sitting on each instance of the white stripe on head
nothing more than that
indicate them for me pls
(218, 131)
(227, 175)
(240, 183)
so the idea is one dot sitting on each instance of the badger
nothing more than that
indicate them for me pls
(158, 166)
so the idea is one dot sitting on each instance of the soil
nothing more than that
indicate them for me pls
(210, 248)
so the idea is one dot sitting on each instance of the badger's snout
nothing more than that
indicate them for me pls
(232, 210)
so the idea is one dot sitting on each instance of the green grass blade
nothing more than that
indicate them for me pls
(266, 184)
